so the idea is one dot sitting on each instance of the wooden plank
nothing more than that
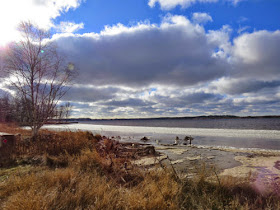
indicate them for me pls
(1, 134)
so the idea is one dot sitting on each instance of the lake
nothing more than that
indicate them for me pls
(253, 133)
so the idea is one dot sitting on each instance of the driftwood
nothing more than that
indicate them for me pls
(124, 150)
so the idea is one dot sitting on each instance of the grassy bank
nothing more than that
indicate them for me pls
(77, 170)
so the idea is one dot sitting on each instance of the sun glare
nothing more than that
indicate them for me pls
(4, 40)
(10, 34)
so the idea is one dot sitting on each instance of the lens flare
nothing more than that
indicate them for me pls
(71, 66)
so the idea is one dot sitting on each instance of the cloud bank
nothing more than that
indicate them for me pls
(176, 52)
(175, 68)
(69, 27)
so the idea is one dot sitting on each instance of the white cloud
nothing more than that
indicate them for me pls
(202, 18)
(243, 29)
(69, 27)
(256, 55)
(260, 46)
(242, 19)
(120, 28)
(221, 38)
(41, 12)
(170, 4)
(235, 2)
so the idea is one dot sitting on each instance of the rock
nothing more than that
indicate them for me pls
(193, 158)
(177, 161)
(149, 160)
(188, 138)
(145, 139)
(178, 151)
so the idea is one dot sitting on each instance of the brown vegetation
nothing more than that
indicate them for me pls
(77, 170)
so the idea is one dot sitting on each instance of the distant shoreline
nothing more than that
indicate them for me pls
(178, 118)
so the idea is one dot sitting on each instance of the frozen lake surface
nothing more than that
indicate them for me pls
(218, 137)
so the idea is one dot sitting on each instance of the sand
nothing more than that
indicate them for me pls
(262, 168)
(264, 172)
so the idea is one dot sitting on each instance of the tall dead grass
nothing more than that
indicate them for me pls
(87, 184)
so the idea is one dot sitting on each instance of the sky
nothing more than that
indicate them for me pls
(159, 58)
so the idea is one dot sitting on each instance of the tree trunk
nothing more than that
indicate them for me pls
(35, 132)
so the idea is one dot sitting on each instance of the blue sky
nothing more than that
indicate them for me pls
(257, 14)
(152, 58)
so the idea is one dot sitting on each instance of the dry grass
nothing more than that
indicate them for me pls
(13, 129)
(209, 191)
(87, 184)
(76, 171)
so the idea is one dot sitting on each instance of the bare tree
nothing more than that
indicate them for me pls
(38, 73)
(63, 112)
(67, 109)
